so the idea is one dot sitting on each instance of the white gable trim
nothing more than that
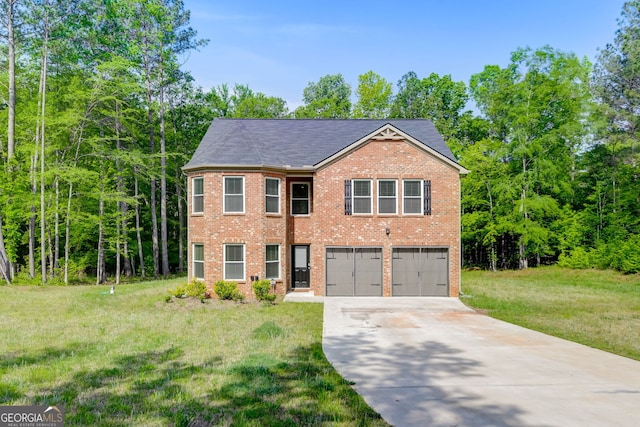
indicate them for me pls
(389, 132)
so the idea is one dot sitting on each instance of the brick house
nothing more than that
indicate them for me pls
(337, 207)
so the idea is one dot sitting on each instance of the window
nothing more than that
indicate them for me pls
(272, 194)
(300, 198)
(412, 196)
(362, 200)
(387, 197)
(233, 262)
(198, 261)
(273, 262)
(234, 194)
(197, 190)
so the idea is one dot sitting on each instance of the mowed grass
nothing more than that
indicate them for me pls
(133, 359)
(600, 309)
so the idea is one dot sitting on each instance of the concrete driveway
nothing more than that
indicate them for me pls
(435, 362)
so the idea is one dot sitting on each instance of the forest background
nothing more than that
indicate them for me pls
(97, 117)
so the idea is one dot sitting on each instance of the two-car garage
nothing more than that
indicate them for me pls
(415, 271)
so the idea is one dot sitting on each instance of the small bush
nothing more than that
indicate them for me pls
(193, 289)
(261, 290)
(227, 290)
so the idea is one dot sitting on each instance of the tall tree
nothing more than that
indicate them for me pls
(329, 98)
(439, 99)
(533, 106)
(617, 88)
(374, 97)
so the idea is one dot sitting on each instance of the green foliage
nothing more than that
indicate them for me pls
(329, 98)
(374, 97)
(623, 256)
(439, 99)
(193, 289)
(261, 290)
(227, 290)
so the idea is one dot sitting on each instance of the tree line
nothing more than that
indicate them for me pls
(97, 117)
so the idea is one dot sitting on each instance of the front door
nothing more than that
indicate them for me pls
(300, 263)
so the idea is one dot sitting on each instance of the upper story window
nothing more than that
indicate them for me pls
(272, 195)
(362, 200)
(387, 196)
(300, 200)
(412, 199)
(197, 192)
(233, 194)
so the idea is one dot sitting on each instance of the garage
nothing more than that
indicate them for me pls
(354, 271)
(420, 271)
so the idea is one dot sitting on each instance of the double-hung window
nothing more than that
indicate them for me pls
(272, 195)
(198, 260)
(387, 196)
(362, 200)
(233, 194)
(300, 200)
(197, 191)
(234, 262)
(272, 267)
(412, 198)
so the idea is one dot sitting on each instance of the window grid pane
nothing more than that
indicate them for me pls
(273, 252)
(300, 207)
(233, 204)
(362, 188)
(273, 187)
(233, 185)
(387, 206)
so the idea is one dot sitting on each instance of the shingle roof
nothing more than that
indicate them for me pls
(296, 142)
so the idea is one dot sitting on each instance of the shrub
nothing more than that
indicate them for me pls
(261, 290)
(227, 290)
(193, 289)
(578, 258)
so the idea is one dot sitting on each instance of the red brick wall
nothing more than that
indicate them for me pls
(328, 225)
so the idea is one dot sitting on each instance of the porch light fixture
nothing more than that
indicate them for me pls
(388, 231)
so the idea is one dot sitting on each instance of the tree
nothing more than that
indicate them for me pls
(533, 107)
(329, 98)
(617, 89)
(374, 97)
(439, 99)
(261, 106)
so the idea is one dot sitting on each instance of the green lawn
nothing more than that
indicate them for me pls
(600, 309)
(133, 359)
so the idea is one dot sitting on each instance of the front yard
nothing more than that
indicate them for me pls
(133, 359)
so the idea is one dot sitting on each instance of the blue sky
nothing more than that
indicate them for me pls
(278, 47)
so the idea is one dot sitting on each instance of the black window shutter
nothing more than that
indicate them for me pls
(427, 197)
(347, 197)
